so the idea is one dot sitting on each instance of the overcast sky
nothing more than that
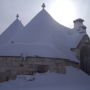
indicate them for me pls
(63, 11)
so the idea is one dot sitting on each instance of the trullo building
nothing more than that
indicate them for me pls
(42, 45)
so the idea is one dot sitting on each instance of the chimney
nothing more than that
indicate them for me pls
(79, 26)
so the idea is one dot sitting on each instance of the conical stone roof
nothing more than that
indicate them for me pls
(8, 34)
(42, 37)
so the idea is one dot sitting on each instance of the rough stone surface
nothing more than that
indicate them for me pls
(85, 58)
(12, 66)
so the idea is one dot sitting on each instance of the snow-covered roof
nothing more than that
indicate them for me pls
(74, 79)
(43, 37)
(11, 31)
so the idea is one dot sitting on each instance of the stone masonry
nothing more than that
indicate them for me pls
(10, 66)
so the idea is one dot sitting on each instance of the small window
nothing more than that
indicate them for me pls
(12, 42)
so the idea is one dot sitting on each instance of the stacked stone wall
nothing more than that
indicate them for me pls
(28, 65)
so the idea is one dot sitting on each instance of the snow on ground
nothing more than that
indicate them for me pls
(74, 79)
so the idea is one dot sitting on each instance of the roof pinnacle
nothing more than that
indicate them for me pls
(43, 5)
(17, 16)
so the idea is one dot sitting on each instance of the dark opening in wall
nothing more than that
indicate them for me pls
(21, 65)
(42, 68)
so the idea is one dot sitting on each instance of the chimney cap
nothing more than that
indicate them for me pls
(78, 20)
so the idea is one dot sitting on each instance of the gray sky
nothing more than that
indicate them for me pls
(63, 11)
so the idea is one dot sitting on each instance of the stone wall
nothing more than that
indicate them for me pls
(18, 65)
(85, 58)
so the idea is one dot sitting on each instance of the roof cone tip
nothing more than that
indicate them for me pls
(17, 16)
(43, 5)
